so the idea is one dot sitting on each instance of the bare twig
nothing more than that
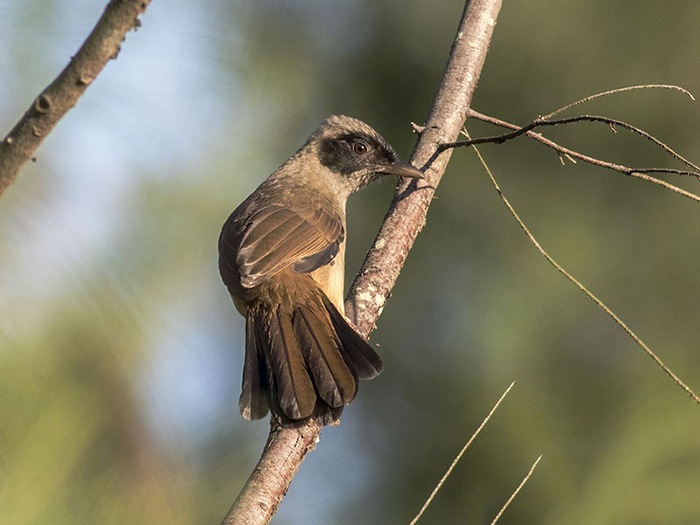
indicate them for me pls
(615, 92)
(639, 173)
(119, 17)
(629, 127)
(539, 122)
(380, 270)
(512, 496)
(459, 456)
(585, 290)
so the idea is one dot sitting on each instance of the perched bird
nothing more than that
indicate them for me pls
(282, 258)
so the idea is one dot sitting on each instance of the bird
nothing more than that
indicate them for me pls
(282, 259)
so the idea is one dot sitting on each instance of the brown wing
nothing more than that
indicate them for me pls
(273, 238)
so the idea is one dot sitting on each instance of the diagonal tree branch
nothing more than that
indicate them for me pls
(286, 448)
(119, 17)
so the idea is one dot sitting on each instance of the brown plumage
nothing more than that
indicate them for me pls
(281, 256)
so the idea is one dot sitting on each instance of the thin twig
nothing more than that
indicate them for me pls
(581, 287)
(492, 139)
(629, 127)
(459, 456)
(546, 120)
(638, 173)
(512, 496)
(616, 91)
(518, 131)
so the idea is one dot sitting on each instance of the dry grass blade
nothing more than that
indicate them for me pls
(459, 456)
(515, 493)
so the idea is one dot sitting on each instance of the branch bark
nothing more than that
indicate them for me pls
(286, 448)
(119, 17)
(406, 215)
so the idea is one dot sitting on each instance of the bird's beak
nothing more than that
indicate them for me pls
(401, 168)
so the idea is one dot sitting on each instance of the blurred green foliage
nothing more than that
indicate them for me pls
(120, 352)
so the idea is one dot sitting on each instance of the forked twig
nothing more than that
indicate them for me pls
(629, 127)
(581, 287)
(459, 456)
(639, 173)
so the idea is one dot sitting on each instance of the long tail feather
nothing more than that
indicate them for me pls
(303, 359)
(362, 358)
(253, 402)
(295, 390)
(334, 381)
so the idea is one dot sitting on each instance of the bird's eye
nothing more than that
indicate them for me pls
(360, 147)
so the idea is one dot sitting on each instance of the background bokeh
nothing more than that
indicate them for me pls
(120, 351)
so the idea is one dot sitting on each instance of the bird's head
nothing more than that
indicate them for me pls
(356, 153)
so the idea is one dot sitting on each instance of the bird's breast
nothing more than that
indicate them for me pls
(331, 279)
